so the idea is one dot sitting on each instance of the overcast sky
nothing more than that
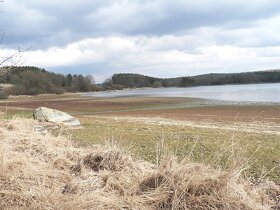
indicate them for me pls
(164, 38)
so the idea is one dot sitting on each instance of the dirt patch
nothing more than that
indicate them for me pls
(76, 103)
(94, 162)
(210, 113)
(151, 182)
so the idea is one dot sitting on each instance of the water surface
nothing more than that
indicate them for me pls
(241, 93)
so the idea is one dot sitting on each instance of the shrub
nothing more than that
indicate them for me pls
(3, 94)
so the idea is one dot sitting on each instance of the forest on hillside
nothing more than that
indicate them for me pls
(138, 80)
(28, 80)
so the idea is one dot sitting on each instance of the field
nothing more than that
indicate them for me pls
(223, 135)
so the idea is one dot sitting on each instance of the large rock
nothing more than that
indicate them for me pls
(55, 116)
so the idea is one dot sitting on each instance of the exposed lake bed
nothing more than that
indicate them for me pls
(141, 122)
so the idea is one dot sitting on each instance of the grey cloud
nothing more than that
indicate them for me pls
(153, 37)
(56, 23)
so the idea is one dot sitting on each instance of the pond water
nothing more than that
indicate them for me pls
(242, 93)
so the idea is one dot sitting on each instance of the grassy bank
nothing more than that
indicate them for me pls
(43, 171)
(212, 145)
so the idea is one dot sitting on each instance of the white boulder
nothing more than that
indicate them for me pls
(55, 116)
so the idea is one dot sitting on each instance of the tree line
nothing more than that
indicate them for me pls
(127, 80)
(28, 80)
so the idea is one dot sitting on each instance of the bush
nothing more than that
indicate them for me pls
(3, 94)
(96, 88)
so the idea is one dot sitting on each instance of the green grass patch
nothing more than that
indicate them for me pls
(220, 148)
(22, 114)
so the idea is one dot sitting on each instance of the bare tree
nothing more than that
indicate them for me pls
(91, 79)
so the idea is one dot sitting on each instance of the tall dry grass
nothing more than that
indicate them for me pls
(49, 172)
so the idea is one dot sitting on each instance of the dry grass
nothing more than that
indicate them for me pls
(214, 143)
(49, 172)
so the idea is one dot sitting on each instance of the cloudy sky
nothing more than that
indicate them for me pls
(164, 38)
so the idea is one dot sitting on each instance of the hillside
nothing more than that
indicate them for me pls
(29, 80)
(47, 172)
(138, 80)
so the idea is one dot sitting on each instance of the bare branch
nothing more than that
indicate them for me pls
(2, 38)
(18, 53)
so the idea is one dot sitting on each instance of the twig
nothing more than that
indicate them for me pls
(15, 54)
(2, 38)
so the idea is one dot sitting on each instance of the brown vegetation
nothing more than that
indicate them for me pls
(217, 113)
(49, 172)
(170, 108)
